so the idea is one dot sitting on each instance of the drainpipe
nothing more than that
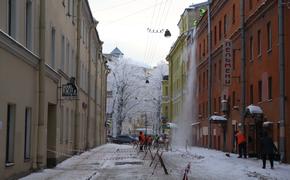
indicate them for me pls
(78, 60)
(243, 63)
(209, 72)
(96, 101)
(40, 153)
(89, 85)
(281, 79)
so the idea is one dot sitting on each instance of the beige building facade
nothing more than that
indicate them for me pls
(53, 83)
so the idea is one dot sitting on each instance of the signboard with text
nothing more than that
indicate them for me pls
(70, 89)
(227, 62)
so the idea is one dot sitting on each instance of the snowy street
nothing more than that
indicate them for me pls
(110, 161)
(113, 161)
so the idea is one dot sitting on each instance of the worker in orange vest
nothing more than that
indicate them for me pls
(141, 140)
(241, 140)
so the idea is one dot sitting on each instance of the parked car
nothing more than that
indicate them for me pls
(123, 139)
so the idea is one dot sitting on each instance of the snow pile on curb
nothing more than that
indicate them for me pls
(212, 164)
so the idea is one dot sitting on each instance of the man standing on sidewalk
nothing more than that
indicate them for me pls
(268, 148)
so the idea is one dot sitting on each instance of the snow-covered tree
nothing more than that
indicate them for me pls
(126, 82)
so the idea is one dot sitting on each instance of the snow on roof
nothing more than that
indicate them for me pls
(254, 109)
(171, 125)
(116, 51)
(196, 123)
(218, 118)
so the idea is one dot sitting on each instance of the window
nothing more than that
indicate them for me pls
(166, 91)
(61, 124)
(251, 48)
(73, 59)
(69, 7)
(12, 18)
(27, 135)
(10, 133)
(67, 57)
(206, 79)
(52, 53)
(220, 69)
(62, 53)
(71, 127)
(269, 87)
(203, 82)
(109, 94)
(220, 30)
(214, 104)
(28, 24)
(199, 84)
(251, 94)
(260, 91)
(214, 71)
(250, 4)
(203, 50)
(73, 11)
(215, 38)
(225, 25)
(206, 108)
(71, 63)
(67, 125)
(233, 14)
(234, 59)
(219, 104)
(234, 99)
(269, 35)
(199, 50)
(259, 43)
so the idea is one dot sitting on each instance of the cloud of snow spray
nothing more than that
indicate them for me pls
(182, 135)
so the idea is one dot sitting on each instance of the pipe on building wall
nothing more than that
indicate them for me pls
(39, 160)
(209, 72)
(281, 79)
(243, 63)
(78, 60)
(92, 26)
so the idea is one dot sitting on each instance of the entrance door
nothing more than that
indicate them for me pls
(51, 136)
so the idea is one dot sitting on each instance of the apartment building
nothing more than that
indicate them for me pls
(53, 83)
(248, 95)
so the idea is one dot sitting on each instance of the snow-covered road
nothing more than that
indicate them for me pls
(110, 161)
(123, 162)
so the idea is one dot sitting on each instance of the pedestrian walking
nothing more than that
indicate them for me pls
(242, 144)
(268, 149)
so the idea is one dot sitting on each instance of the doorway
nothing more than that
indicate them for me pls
(51, 136)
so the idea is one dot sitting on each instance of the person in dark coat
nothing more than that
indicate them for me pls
(268, 148)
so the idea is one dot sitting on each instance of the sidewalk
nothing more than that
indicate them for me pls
(212, 164)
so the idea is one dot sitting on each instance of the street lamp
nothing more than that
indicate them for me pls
(167, 33)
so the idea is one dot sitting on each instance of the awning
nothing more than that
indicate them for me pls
(196, 123)
(216, 118)
(171, 125)
(267, 123)
(254, 109)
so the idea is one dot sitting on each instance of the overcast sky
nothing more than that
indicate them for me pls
(125, 24)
